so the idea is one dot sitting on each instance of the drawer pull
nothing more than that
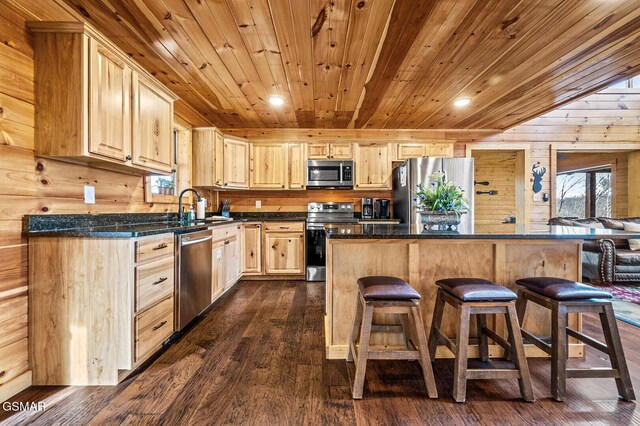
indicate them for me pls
(159, 325)
(227, 242)
(2, 373)
(160, 281)
(161, 246)
(284, 227)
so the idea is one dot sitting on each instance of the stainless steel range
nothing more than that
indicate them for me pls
(318, 216)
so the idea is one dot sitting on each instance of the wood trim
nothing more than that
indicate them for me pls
(18, 384)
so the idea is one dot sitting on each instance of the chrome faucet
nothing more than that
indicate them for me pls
(180, 207)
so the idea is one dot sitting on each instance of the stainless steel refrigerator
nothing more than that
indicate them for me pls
(418, 170)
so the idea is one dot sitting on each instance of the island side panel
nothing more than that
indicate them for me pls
(351, 260)
(422, 262)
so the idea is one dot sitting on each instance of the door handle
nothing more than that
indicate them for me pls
(159, 325)
(160, 281)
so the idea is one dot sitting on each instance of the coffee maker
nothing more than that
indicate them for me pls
(367, 208)
(382, 209)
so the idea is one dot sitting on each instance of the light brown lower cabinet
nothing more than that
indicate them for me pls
(284, 253)
(106, 302)
(227, 269)
(218, 270)
(251, 248)
(272, 248)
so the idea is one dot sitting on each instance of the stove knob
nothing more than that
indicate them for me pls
(312, 206)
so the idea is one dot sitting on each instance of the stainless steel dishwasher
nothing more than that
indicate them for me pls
(193, 292)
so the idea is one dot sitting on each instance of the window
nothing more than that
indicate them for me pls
(585, 193)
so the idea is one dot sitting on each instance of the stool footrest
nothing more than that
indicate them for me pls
(585, 373)
(394, 354)
(588, 340)
(445, 339)
(538, 342)
(384, 328)
(499, 340)
(492, 373)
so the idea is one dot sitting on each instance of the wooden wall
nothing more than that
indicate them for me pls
(604, 122)
(29, 185)
(294, 201)
(499, 169)
(619, 162)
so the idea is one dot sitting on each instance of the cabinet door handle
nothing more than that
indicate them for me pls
(227, 242)
(160, 246)
(159, 325)
(160, 281)
(128, 158)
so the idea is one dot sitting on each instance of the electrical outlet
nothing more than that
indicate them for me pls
(537, 197)
(89, 194)
(258, 204)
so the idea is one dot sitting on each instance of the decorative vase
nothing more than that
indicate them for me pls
(441, 221)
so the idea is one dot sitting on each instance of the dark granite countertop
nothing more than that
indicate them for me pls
(527, 232)
(110, 225)
(269, 216)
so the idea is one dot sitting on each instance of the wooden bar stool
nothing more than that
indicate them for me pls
(562, 297)
(388, 295)
(480, 297)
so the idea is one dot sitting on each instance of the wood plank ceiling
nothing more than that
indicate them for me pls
(375, 63)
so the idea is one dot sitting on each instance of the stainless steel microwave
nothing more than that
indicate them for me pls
(330, 174)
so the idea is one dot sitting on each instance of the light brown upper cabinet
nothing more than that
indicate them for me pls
(297, 165)
(277, 166)
(219, 161)
(268, 166)
(440, 150)
(152, 126)
(335, 151)
(208, 157)
(109, 104)
(94, 105)
(236, 163)
(415, 150)
(410, 150)
(373, 166)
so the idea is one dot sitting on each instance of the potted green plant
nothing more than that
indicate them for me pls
(441, 203)
(165, 186)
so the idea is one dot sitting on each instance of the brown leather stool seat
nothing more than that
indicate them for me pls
(388, 295)
(386, 288)
(475, 289)
(479, 297)
(561, 289)
(563, 297)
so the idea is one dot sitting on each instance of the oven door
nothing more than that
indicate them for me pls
(315, 252)
(329, 174)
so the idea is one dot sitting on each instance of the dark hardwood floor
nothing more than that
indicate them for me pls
(258, 358)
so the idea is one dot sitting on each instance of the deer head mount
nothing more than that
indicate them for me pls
(538, 171)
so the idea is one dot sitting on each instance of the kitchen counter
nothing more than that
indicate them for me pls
(529, 232)
(110, 225)
(422, 258)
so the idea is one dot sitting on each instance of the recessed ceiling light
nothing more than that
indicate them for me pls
(276, 100)
(462, 102)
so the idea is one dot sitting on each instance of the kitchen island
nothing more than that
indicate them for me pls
(422, 257)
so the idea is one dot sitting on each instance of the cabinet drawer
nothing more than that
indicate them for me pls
(284, 226)
(154, 282)
(152, 248)
(153, 327)
(224, 232)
